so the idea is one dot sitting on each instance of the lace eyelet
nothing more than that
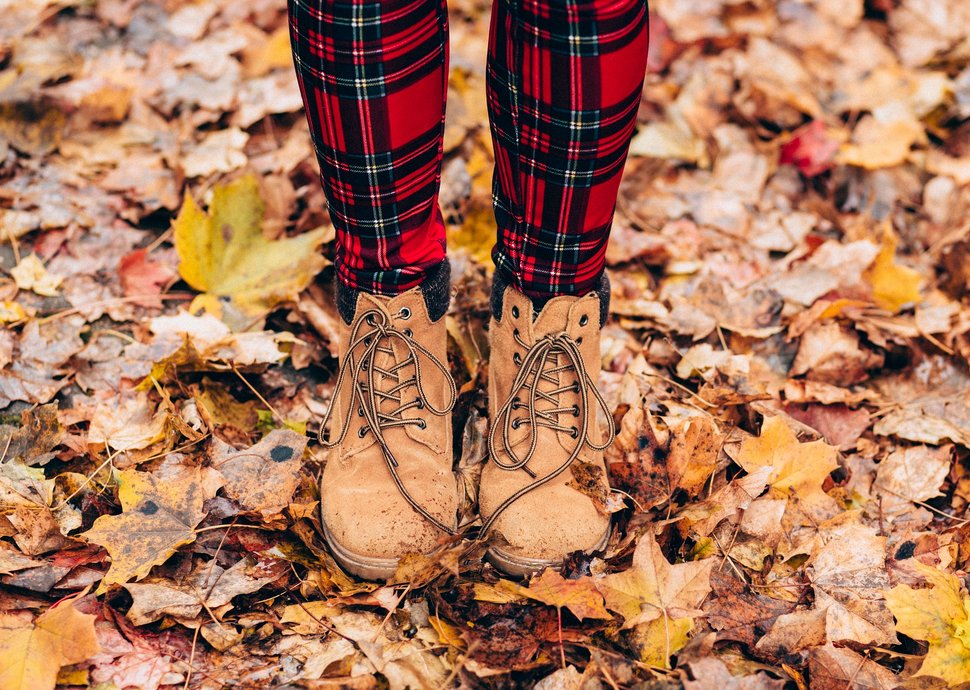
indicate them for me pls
(360, 411)
(420, 404)
(362, 432)
(423, 424)
(579, 340)
(574, 432)
(584, 319)
(516, 423)
(516, 358)
(575, 388)
(515, 312)
(408, 332)
(369, 319)
(575, 410)
(405, 313)
(367, 340)
(515, 331)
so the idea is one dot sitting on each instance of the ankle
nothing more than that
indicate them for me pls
(435, 288)
(500, 282)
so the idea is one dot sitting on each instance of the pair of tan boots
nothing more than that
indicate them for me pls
(388, 487)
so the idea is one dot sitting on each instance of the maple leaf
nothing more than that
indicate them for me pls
(940, 615)
(158, 516)
(263, 478)
(797, 469)
(580, 596)
(658, 599)
(31, 655)
(894, 286)
(224, 254)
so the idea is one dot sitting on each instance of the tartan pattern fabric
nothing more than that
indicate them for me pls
(563, 79)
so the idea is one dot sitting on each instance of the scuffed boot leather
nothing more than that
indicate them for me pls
(388, 487)
(543, 420)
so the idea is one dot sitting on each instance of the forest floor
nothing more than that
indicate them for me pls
(787, 362)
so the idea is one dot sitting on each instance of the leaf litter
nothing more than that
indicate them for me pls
(787, 365)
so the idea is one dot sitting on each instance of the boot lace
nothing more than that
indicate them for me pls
(372, 334)
(544, 361)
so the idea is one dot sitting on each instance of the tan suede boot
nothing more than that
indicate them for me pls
(388, 487)
(544, 404)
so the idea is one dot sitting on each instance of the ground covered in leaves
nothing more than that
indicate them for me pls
(787, 362)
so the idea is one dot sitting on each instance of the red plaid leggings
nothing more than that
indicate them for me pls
(563, 85)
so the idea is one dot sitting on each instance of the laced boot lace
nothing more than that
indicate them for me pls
(371, 335)
(544, 361)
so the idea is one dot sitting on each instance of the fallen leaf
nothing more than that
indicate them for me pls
(32, 654)
(158, 516)
(143, 277)
(654, 589)
(849, 576)
(839, 668)
(209, 585)
(797, 469)
(263, 477)
(894, 286)
(129, 422)
(810, 149)
(30, 274)
(580, 596)
(223, 252)
(940, 615)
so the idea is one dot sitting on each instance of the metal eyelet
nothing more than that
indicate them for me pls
(362, 432)
(360, 411)
(515, 312)
(408, 332)
(405, 313)
(516, 423)
(367, 340)
(579, 340)
(423, 424)
(574, 432)
(575, 410)
(420, 404)
(369, 319)
(515, 331)
(584, 319)
(516, 358)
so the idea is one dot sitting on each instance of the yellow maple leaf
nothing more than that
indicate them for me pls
(659, 599)
(939, 615)
(158, 516)
(224, 254)
(797, 469)
(31, 655)
(893, 285)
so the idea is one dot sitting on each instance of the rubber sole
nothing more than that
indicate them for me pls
(520, 566)
(364, 567)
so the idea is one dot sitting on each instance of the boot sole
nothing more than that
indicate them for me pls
(365, 567)
(521, 566)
